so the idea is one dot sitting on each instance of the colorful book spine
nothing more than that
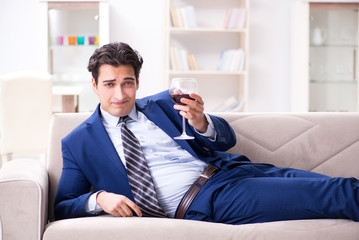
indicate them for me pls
(181, 60)
(183, 17)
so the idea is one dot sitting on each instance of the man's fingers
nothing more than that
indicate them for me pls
(133, 206)
(124, 211)
(127, 209)
(117, 205)
(197, 97)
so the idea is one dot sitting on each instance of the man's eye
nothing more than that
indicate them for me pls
(129, 83)
(109, 84)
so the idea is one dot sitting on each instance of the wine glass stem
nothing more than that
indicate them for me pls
(183, 125)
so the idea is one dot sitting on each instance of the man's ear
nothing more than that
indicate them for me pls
(94, 86)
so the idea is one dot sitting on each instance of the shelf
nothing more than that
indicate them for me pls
(334, 46)
(79, 5)
(205, 72)
(333, 82)
(74, 46)
(214, 30)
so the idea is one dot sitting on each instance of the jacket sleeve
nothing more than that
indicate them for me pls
(73, 189)
(225, 136)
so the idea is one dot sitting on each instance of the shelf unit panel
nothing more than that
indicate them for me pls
(207, 42)
(333, 57)
(324, 64)
(328, 97)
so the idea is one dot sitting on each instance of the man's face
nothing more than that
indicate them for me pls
(116, 89)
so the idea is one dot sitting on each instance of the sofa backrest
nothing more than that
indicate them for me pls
(323, 142)
(327, 143)
(61, 125)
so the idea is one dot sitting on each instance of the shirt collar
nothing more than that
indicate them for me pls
(112, 121)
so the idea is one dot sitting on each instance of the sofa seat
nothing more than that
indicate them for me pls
(108, 228)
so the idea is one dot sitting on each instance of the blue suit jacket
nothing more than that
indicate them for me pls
(91, 160)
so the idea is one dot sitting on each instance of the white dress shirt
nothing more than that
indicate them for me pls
(172, 168)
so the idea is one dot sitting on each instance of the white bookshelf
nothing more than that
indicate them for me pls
(67, 62)
(206, 42)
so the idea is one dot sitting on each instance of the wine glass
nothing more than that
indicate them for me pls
(181, 88)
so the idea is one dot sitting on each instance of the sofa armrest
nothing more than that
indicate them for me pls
(23, 199)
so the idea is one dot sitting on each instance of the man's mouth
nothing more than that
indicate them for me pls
(119, 103)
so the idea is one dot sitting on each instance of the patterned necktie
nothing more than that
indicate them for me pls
(139, 175)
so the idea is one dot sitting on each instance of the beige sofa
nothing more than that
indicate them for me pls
(323, 142)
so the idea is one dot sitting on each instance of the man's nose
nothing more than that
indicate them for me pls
(119, 93)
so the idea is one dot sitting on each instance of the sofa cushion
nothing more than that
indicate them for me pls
(107, 227)
(326, 143)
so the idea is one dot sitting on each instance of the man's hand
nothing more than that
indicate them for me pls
(193, 111)
(117, 205)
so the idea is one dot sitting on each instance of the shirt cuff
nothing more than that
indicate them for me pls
(91, 205)
(211, 133)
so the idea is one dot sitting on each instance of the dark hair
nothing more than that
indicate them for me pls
(115, 54)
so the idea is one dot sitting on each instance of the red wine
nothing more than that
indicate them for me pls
(177, 98)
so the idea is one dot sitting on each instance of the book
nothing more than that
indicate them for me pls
(191, 16)
(173, 59)
(181, 60)
(179, 17)
(192, 62)
(241, 60)
(174, 17)
(235, 18)
(184, 17)
(241, 18)
(231, 60)
(226, 17)
(232, 21)
(232, 104)
(195, 62)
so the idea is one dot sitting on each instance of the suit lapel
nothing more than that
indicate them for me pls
(104, 142)
(155, 114)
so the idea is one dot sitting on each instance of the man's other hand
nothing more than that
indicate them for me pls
(117, 205)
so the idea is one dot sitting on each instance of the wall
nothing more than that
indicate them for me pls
(19, 35)
(269, 63)
(142, 27)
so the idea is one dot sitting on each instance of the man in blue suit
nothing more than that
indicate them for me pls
(234, 191)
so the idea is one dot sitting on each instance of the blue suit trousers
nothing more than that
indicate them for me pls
(255, 193)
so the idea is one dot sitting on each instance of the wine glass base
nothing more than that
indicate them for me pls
(183, 137)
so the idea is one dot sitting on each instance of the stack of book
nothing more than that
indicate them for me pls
(231, 104)
(181, 60)
(231, 60)
(235, 18)
(184, 17)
